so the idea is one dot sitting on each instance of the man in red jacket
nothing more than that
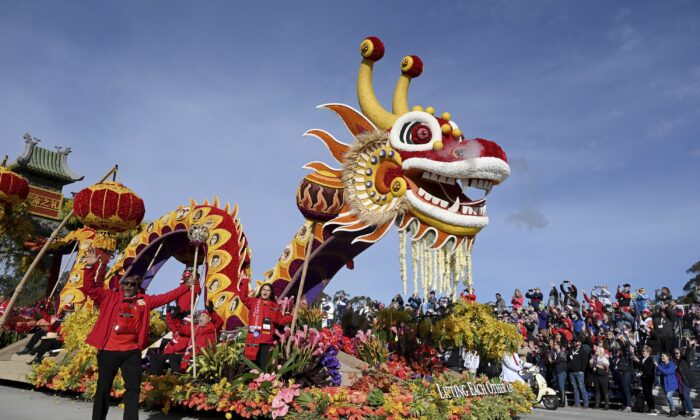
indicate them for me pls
(120, 332)
(175, 349)
(205, 333)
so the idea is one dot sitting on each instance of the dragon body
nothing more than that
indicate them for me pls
(406, 167)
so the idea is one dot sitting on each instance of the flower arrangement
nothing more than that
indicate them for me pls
(311, 316)
(371, 349)
(474, 327)
(302, 382)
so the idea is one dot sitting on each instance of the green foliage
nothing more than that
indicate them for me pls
(375, 397)
(220, 361)
(16, 227)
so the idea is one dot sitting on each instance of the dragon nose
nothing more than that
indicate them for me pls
(477, 148)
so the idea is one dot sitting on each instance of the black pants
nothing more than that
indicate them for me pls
(108, 362)
(47, 345)
(648, 392)
(158, 362)
(666, 344)
(33, 341)
(263, 356)
(626, 387)
(601, 388)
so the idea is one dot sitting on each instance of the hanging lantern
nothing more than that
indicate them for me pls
(13, 187)
(108, 207)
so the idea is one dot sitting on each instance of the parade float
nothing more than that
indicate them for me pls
(408, 168)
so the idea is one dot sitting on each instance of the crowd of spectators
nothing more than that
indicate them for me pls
(598, 341)
(589, 345)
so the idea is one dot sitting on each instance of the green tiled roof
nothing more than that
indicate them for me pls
(51, 164)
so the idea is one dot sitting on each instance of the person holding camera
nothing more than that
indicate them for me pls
(120, 332)
(570, 293)
(536, 297)
(415, 302)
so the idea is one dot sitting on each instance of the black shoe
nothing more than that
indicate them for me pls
(672, 414)
(34, 361)
(23, 352)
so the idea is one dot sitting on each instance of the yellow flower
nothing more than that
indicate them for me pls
(228, 416)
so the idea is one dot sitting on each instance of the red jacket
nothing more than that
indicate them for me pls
(184, 301)
(110, 302)
(204, 336)
(258, 311)
(468, 297)
(517, 302)
(597, 306)
(179, 342)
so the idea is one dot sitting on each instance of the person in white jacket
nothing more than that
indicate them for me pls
(512, 368)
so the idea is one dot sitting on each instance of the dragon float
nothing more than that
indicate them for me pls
(406, 167)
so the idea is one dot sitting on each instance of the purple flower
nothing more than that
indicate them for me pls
(332, 365)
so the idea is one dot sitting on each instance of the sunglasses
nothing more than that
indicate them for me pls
(130, 284)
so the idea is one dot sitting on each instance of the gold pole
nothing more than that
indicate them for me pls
(302, 281)
(192, 339)
(39, 256)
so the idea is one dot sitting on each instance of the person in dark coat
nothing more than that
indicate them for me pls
(575, 366)
(648, 370)
(560, 361)
(686, 381)
(536, 297)
(624, 370)
(553, 299)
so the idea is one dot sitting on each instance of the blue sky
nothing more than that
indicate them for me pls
(597, 105)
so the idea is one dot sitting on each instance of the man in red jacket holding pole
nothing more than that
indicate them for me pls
(120, 332)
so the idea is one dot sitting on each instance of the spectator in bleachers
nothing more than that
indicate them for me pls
(667, 373)
(535, 296)
(517, 300)
(686, 382)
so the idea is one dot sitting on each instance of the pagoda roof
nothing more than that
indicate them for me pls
(45, 162)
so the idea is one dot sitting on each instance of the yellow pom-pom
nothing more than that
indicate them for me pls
(366, 48)
(398, 187)
(406, 63)
(417, 108)
(457, 132)
(446, 116)
(430, 110)
(438, 145)
(446, 128)
(228, 416)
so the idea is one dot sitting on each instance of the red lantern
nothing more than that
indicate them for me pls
(13, 187)
(108, 207)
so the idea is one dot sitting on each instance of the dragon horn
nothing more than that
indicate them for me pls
(372, 49)
(411, 66)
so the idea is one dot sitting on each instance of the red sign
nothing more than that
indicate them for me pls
(44, 203)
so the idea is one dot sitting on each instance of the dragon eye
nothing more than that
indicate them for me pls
(415, 133)
(420, 133)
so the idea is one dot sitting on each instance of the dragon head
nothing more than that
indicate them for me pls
(444, 176)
